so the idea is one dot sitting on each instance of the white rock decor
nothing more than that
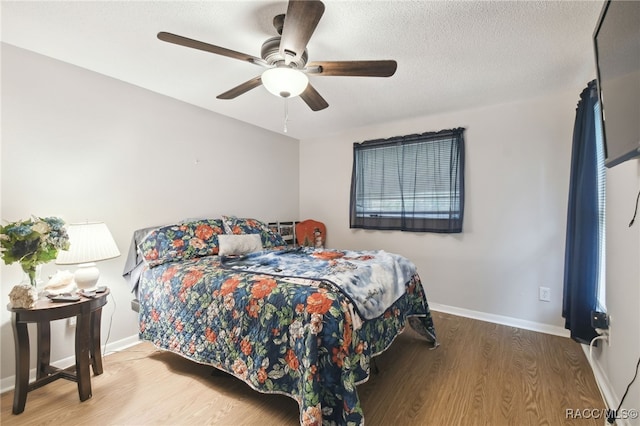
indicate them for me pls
(61, 282)
(23, 296)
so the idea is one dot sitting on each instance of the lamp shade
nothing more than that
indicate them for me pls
(88, 242)
(285, 82)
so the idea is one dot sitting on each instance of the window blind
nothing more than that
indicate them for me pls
(409, 183)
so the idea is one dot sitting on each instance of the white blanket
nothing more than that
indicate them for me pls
(372, 280)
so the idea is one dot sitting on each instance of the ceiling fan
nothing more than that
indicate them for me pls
(285, 57)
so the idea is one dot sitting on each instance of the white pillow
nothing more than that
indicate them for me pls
(239, 244)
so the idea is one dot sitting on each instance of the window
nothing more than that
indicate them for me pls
(409, 183)
(601, 182)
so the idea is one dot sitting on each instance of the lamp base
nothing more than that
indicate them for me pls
(86, 276)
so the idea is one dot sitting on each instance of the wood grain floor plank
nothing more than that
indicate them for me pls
(482, 374)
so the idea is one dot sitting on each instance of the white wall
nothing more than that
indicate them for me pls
(83, 146)
(517, 177)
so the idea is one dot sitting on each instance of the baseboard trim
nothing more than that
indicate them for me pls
(500, 319)
(8, 383)
(606, 389)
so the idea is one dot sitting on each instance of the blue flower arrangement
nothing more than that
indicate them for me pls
(33, 242)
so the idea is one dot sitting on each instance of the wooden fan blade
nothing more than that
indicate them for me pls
(243, 88)
(312, 98)
(353, 68)
(195, 44)
(300, 22)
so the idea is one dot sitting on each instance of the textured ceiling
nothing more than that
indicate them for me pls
(451, 54)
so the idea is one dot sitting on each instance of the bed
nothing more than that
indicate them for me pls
(290, 320)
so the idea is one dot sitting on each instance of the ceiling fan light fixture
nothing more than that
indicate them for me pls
(284, 82)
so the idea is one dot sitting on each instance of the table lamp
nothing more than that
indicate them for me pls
(88, 243)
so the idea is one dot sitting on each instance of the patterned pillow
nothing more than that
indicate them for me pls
(238, 226)
(181, 241)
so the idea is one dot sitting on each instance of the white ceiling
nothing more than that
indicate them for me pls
(451, 54)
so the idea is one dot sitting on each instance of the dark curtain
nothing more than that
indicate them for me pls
(582, 258)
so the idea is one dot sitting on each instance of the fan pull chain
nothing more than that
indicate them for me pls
(286, 113)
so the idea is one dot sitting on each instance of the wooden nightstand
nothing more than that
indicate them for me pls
(88, 312)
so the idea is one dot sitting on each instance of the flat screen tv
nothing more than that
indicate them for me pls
(617, 53)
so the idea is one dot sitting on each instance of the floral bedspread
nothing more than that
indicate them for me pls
(279, 335)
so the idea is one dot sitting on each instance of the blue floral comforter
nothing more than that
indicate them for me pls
(295, 336)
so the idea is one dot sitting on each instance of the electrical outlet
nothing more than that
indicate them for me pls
(605, 333)
(71, 322)
(544, 294)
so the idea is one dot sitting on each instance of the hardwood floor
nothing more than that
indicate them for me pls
(482, 374)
